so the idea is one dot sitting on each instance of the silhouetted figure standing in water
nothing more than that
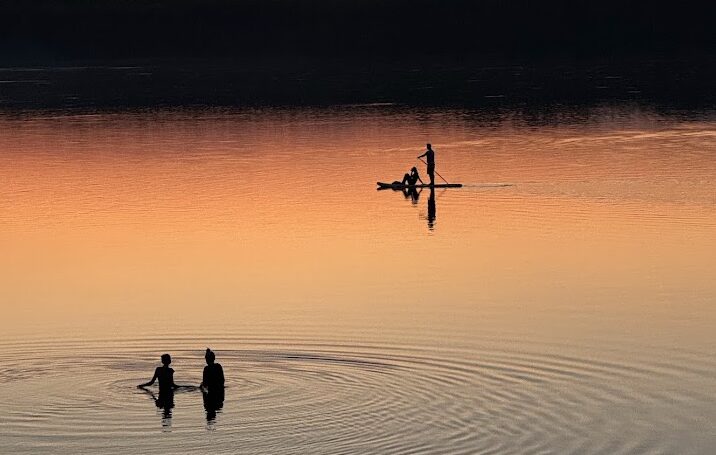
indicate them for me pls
(165, 375)
(430, 157)
(213, 377)
(212, 386)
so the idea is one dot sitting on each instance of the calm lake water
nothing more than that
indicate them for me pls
(562, 301)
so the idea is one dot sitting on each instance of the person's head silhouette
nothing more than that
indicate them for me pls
(429, 146)
(166, 359)
(209, 356)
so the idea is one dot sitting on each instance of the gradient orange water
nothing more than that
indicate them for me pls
(568, 310)
(109, 217)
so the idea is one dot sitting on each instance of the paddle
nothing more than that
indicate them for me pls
(436, 172)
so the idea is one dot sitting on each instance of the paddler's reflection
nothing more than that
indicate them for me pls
(431, 209)
(411, 193)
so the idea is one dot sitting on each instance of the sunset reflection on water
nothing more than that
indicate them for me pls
(593, 238)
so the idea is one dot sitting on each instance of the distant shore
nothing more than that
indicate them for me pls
(660, 82)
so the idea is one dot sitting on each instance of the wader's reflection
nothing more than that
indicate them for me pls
(213, 402)
(165, 403)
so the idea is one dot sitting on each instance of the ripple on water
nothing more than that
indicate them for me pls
(315, 397)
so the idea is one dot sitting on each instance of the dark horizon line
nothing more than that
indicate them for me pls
(669, 83)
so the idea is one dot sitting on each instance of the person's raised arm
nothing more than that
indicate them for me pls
(154, 378)
(424, 154)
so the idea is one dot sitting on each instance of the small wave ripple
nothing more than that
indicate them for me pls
(311, 396)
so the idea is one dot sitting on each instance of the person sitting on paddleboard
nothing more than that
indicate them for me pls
(410, 179)
(430, 156)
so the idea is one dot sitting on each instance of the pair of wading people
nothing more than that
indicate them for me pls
(212, 385)
(412, 178)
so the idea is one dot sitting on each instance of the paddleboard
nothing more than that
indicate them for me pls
(399, 186)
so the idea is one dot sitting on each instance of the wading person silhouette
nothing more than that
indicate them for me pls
(213, 377)
(430, 157)
(212, 386)
(164, 374)
(165, 401)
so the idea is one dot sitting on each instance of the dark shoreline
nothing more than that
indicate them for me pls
(661, 83)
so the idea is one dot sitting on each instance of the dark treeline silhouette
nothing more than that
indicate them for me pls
(517, 54)
(84, 29)
(536, 90)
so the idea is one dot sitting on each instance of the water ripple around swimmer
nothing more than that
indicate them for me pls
(337, 399)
